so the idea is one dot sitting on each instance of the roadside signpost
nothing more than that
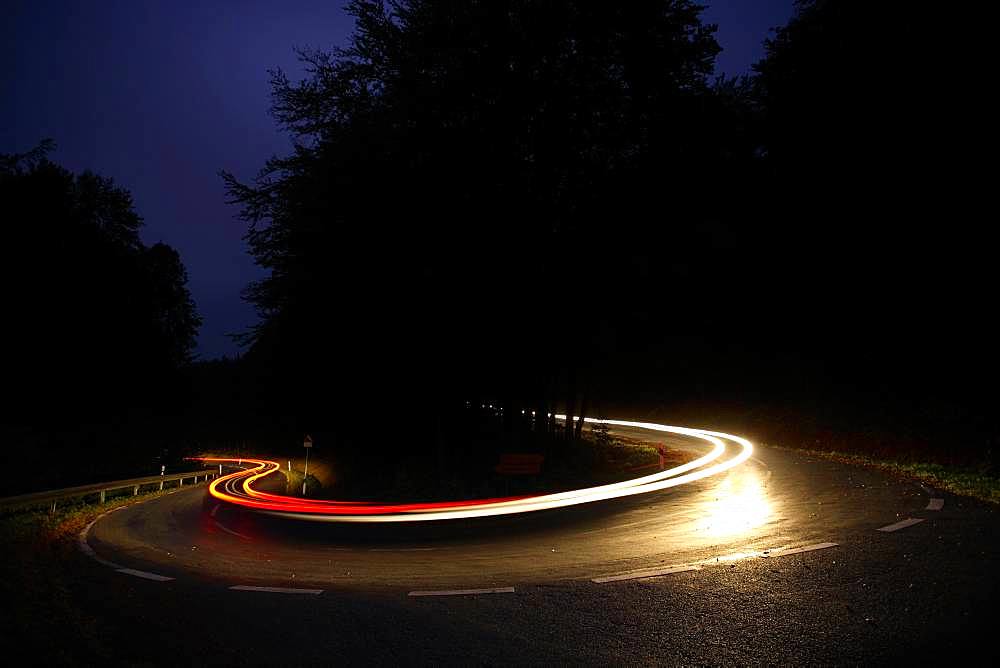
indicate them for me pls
(307, 444)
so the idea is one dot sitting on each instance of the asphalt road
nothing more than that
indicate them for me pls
(741, 595)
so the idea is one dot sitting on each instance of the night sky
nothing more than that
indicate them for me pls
(162, 95)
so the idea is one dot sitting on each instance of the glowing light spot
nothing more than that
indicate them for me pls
(738, 505)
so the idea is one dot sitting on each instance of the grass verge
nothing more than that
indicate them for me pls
(957, 480)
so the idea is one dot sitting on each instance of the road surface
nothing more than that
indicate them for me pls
(785, 558)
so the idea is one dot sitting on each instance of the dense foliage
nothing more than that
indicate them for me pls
(552, 205)
(549, 206)
(482, 201)
(872, 135)
(97, 325)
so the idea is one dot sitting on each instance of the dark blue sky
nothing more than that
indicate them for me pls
(162, 95)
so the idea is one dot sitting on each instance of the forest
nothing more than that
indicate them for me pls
(542, 207)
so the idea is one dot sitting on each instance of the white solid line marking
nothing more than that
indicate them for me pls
(645, 573)
(935, 504)
(463, 592)
(277, 590)
(82, 541)
(902, 524)
(145, 575)
(88, 550)
(796, 550)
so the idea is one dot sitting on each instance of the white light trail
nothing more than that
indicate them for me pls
(239, 487)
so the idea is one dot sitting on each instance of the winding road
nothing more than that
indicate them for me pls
(780, 558)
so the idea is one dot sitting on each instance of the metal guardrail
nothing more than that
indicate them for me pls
(52, 497)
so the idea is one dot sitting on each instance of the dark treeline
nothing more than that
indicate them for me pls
(486, 203)
(96, 332)
(872, 248)
(555, 206)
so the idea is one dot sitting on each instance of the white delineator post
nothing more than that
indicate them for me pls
(307, 444)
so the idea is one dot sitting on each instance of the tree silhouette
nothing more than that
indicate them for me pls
(96, 324)
(872, 136)
(473, 187)
(173, 311)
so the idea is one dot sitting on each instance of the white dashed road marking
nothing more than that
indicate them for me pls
(277, 590)
(144, 575)
(935, 504)
(796, 550)
(230, 531)
(910, 521)
(646, 573)
(726, 559)
(463, 592)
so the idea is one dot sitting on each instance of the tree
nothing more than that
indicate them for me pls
(468, 179)
(172, 309)
(96, 322)
(873, 233)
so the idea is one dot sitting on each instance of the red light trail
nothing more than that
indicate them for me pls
(237, 488)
